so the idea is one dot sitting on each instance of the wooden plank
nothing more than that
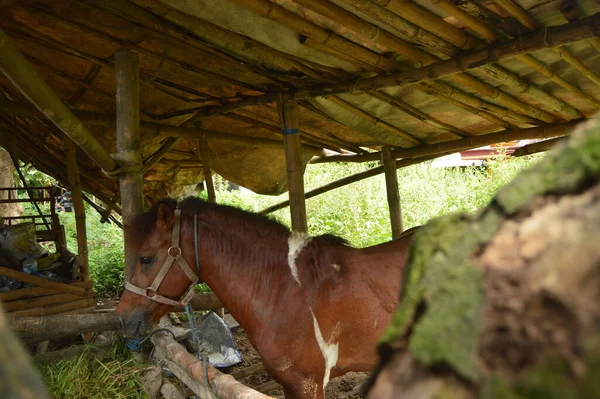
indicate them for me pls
(31, 292)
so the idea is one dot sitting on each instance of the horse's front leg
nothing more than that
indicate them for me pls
(304, 387)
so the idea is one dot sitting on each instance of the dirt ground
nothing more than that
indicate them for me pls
(345, 387)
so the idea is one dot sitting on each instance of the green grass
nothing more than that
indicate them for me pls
(115, 376)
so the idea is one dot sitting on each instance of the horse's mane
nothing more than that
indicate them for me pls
(145, 222)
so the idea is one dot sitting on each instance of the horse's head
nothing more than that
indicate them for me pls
(158, 277)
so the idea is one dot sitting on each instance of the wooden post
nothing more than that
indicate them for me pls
(288, 112)
(77, 197)
(208, 181)
(128, 143)
(393, 195)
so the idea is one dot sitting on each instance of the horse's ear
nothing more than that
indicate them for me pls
(165, 216)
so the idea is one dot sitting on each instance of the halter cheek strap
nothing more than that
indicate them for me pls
(173, 255)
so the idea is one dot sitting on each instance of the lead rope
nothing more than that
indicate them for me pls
(190, 314)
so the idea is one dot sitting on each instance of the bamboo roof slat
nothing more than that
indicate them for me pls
(396, 135)
(414, 112)
(534, 148)
(518, 12)
(498, 73)
(486, 33)
(580, 66)
(426, 77)
(347, 19)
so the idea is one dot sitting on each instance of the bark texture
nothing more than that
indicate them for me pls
(505, 303)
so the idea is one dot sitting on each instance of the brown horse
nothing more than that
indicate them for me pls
(313, 307)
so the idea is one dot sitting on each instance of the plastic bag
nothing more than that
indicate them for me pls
(18, 242)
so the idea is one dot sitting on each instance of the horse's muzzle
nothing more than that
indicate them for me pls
(135, 324)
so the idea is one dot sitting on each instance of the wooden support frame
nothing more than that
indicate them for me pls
(128, 142)
(77, 196)
(393, 194)
(447, 147)
(288, 111)
(585, 28)
(20, 72)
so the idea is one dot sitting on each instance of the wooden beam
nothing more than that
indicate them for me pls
(288, 111)
(128, 145)
(555, 36)
(447, 147)
(77, 197)
(152, 129)
(20, 72)
(42, 282)
(393, 194)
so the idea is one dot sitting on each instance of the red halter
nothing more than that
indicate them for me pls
(152, 291)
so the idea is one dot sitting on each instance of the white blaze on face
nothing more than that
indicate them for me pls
(330, 351)
(296, 243)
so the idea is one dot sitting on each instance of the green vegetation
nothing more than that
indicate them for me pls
(114, 375)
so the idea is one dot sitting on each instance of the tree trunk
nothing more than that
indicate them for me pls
(7, 180)
(505, 303)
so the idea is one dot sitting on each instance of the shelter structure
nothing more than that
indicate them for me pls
(256, 89)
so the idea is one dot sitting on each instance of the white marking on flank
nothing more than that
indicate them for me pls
(336, 267)
(296, 243)
(330, 351)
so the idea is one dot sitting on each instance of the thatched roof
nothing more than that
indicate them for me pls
(202, 60)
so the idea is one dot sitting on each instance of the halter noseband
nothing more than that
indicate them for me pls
(152, 291)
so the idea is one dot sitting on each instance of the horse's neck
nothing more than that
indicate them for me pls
(243, 268)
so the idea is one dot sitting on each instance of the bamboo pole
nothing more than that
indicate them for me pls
(42, 282)
(488, 34)
(540, 146)
(245, 48)
(532, 62)
(288, 111)
(128, 142)
(77, 196)
(205, 154)
(393, 194)
(191, 370)
(474, 23)
(472, 104)
(152, 129)
(516, 11)
(384, 38)
(33, 292)
(416, 113)
(36, 329)
(56, 309)
(23, 76)
(28, 189)
(579, 30)
(428, 21)
(580, 66)
(447, 147)
(345, 181)
(42, 301)
(166, 146)
(494, 71)
(397, 135)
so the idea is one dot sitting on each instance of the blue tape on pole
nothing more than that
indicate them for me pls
(289, 131)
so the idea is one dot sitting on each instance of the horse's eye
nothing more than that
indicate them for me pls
(146, 260)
